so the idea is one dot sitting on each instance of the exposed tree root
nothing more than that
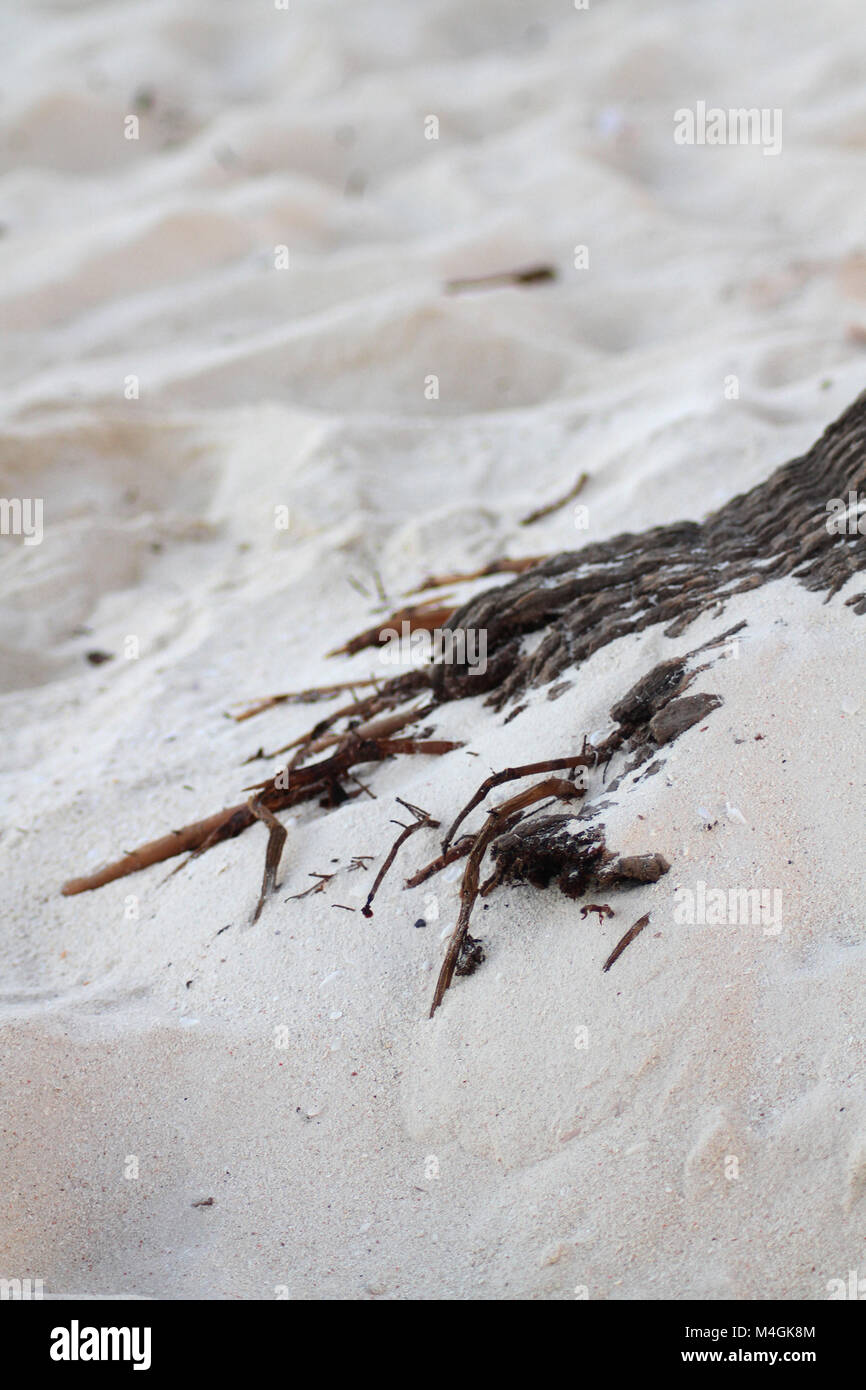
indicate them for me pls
(582, 600)
(457, 851)
(513, 774)
(288, 788)
(578, 601)
(498, 821)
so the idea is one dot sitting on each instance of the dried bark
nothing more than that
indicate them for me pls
(582, 600)
(549, 848)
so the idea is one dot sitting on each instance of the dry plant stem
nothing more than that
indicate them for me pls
(511, 774)
(422, 818)
(318, 887)
(302, 697)
(457, 851)
(502, 566)
(362, 786)
(468, 894)
(276, 839)
(498, 820)
(626, 940)
(303, 785)
(528, 275)
(552, 507)
(317, 737)
(419, 745)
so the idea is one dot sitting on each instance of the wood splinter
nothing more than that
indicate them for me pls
(277, 834)
(626, 940)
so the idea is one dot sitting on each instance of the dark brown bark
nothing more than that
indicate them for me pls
(583, 599)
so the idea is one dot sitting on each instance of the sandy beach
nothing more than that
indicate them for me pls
(258, 414)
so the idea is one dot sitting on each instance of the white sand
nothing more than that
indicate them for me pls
(379, 1154)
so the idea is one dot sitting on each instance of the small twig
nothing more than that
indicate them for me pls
(501, 566)
(626, 940)
(431, 746)
(301, 697)
(530, 275)
(422, 818)
(457, 851)
(468, 894)
(191, 839)
(316, 888)
(362, 786)
(560, 502)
